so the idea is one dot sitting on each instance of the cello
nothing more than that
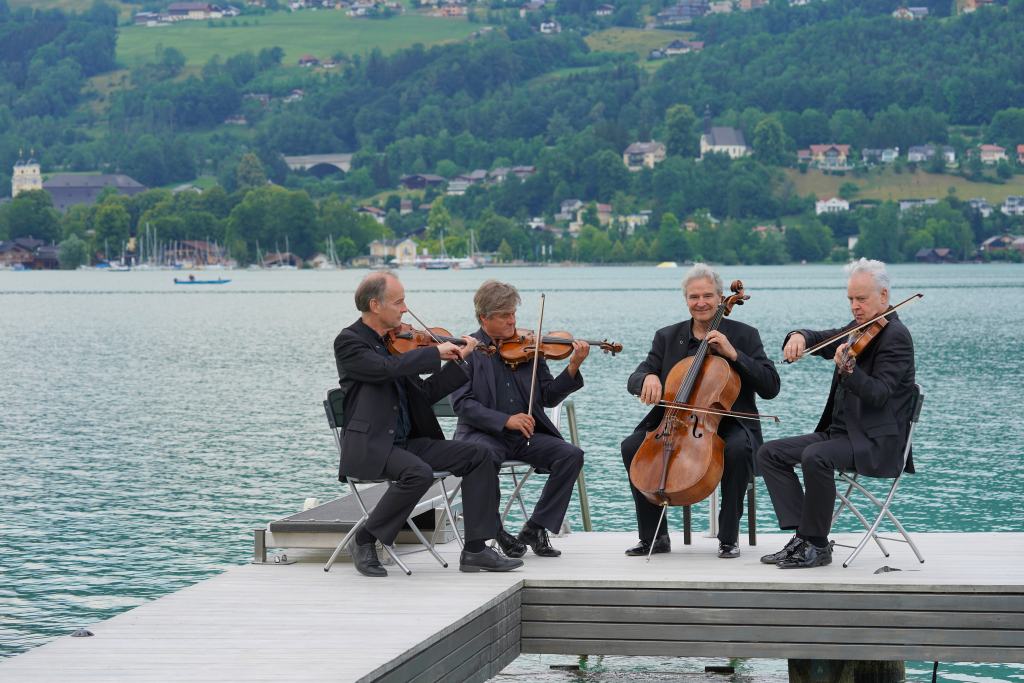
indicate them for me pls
(680, 462)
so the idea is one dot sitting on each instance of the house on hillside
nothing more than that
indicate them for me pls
(421, 181)
(682, 12)
(991, 154)
(879, 156)
(831, 205)
(193, 11)
(641, 155)
(604, 10)
(400, 250)
(682, 47)
(925, 153)
(374, 212)
(1020, 155)
(914, 204)
(550, 27)
(910, 13)
(309, 61)
(830, 157)
(998, 244)
(980, 205)
(934, 255)
(1013, 206)
(69, 189)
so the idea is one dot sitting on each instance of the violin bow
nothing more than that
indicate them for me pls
(847, 333)
(712, 411)
(536, 359)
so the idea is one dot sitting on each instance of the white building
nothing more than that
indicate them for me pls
(831, 205)
(26, 176)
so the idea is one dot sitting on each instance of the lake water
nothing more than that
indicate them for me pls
(147, 428)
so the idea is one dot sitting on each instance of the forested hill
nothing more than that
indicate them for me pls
(967, 67)
(46, 55)
(832, 71)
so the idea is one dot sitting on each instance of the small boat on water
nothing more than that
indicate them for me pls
(191, 280)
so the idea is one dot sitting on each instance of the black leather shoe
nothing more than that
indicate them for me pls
(806, 556)
(728, 550)
(366, 560)
(509, 544)
(791, 545)
(487, 560)
(662, 544)
(538, 540)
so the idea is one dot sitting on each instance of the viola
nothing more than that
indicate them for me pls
(856, 335)
(681, 461)
(522, 346)
(406, 338)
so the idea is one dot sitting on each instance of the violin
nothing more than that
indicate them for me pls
(861, 335)
(681, 461)
(522, 346)
(859, 340)
(406, 338)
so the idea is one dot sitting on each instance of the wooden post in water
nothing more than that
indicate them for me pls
(845, 671)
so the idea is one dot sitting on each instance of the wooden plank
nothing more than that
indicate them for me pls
(472, 642)
(654, 648)
(773, 617)
(775, 634)
(782, 599)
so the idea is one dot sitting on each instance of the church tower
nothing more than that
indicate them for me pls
(27, 176)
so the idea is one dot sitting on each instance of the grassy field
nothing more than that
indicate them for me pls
(635, 40)
(321, 33)
(906, 185)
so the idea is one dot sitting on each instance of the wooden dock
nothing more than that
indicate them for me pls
(296, 623)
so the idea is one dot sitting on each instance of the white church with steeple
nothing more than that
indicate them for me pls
(27, 176)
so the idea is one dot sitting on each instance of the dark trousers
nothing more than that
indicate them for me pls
(548, 454)
(735, 477)
(411, 470)
(808, 510)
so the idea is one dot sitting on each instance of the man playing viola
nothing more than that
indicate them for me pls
(740, 345)
(864, 425)
(493, 412)
(390, 429)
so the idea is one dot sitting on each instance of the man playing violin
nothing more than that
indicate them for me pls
(390, 429)
(864, 425)
(493, 412)
(740, 345)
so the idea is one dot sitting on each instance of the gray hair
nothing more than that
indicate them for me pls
(702, 271)
(495, 297)
(876, 269)
(372, 287)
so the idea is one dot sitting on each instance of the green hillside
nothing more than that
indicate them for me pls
(906, 185)
(320, 33)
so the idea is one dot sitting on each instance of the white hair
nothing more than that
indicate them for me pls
(702, 271)
(876, 269)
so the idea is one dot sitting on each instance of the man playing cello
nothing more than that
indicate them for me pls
(740, 345)
(864, 425)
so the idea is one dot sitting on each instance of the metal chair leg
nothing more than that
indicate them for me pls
(394, 556)
(451, 515)
(345, 541)
(423, 540)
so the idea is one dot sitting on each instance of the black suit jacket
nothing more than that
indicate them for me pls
(757, 372)
(371, 400)
(475, 401)
(879, 397)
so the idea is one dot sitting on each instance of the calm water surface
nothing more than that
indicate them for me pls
(146, 429)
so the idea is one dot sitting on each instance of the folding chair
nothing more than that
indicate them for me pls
(334, 406)
(849, 477)
(519, 471)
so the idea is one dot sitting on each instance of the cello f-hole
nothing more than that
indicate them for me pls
(696, 423)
